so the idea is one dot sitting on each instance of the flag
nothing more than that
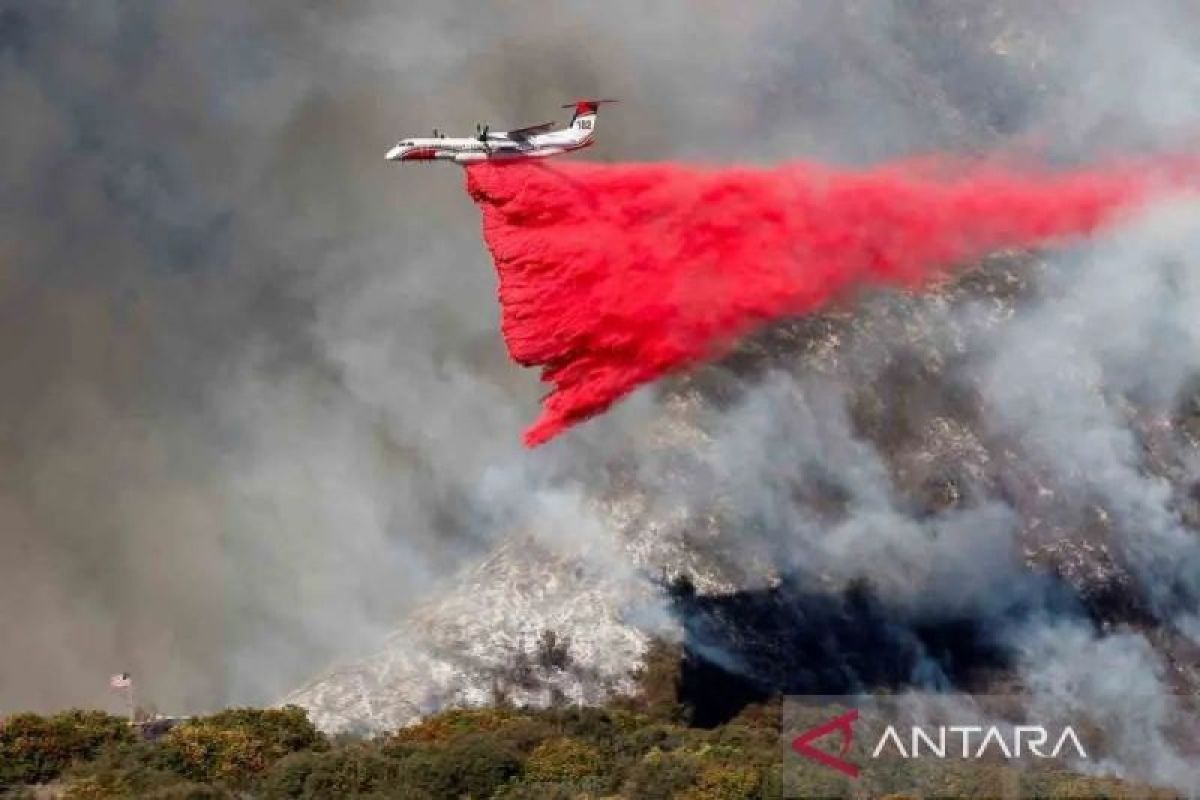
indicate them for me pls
(122, 681)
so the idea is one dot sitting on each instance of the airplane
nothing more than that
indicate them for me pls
(534, 141)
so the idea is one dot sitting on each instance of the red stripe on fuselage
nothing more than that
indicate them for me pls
(420, 154)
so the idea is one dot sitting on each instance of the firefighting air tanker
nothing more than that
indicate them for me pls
(535, 141)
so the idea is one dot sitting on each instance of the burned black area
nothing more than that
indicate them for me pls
(747, 647)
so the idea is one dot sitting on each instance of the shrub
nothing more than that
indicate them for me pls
(236, 746)
(475, 765)
(498, 754)
(348, 772)
(661, 776)
(724, 782)
(286, 730)
(651, 737)
(524, 735)
(767, 716)
(352, 770)
(124, 769)
(92, 788)
(585, 789)
(287, 776)
(160, 786)
(37, 749)
(559, 760)
(449, 725)
(483, 764)
(659, 681)
(539, 791)
(187, 790)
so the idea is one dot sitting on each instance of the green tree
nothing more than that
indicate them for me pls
(348, 771)
(236, 746)
(476, 765)
(659, 681)
(37, 749)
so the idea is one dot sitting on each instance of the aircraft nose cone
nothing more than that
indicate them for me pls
(394, 153)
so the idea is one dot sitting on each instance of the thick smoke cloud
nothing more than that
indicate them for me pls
(226, 331)
(1114, 338)
(254, 395)
(255, 403)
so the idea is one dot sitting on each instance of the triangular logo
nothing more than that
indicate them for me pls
(802, 744)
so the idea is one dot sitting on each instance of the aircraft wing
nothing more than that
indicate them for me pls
(531, 130)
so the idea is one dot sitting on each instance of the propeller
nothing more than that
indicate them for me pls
(483, 132)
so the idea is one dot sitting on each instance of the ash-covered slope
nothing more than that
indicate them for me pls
(527, 623)
(988, 486)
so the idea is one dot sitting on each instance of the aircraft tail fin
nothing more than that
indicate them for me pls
(585, 113)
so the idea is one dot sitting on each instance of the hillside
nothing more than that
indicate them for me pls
(639, 747)
(984, 548)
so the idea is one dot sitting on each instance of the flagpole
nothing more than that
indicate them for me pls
(129, 699)
(124, 681)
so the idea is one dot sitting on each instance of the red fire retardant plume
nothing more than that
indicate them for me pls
(614, 275)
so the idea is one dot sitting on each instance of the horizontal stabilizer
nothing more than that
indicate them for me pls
(587, 106)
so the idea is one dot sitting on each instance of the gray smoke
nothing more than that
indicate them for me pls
(255, 404)
(255, 400)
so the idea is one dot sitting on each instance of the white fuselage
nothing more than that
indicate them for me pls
(497, 146)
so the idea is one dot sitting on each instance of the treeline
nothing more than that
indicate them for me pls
(638, 748)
